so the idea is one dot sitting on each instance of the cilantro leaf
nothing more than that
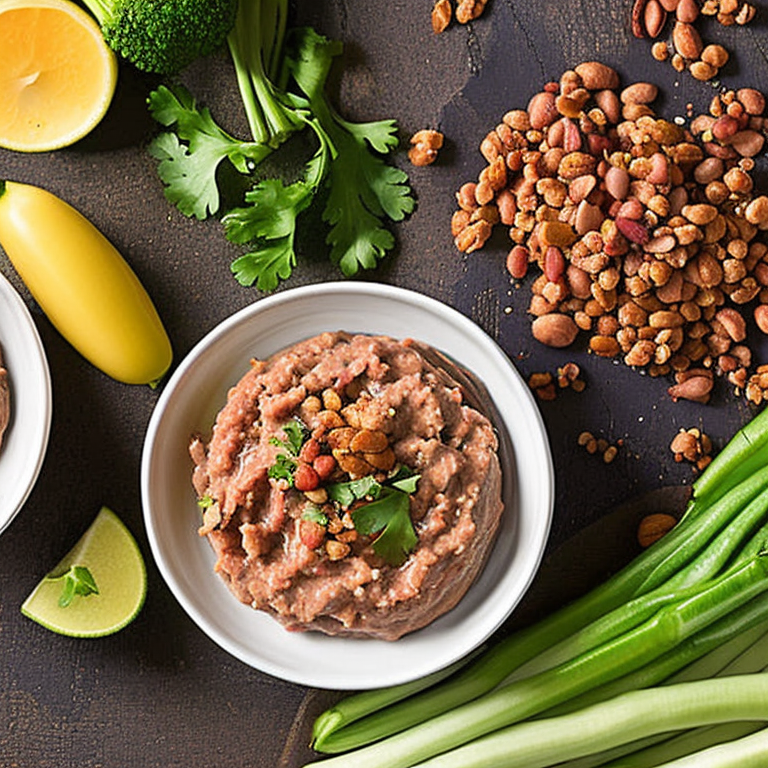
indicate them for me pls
(286, 463)
(283, 468)
(309, 60)
(357, 237)
(380, 134)
(349, 164)
(390, 515)
(353, 490)
(315, 515)
(363, 189)
(406, 483)
(265, 265)
(271, 214)
(188, 170)
(295, 433)
(270, 222)
(78, 580)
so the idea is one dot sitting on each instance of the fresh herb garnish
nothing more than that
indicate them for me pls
(389, 516)
(205, 501)
(286, 462)
(295, 434)
(347, 493)
(405, 481)
(78, 580)
(315, 515)
(283, 90)
(283, 468)
(191, 155)
(387, 511)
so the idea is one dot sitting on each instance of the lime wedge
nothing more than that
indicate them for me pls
(113, 560)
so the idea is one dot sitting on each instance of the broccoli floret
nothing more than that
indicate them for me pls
(164, 36)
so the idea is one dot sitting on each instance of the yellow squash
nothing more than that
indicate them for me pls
(83, 284)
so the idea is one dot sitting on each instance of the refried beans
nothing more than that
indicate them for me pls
(348, 487)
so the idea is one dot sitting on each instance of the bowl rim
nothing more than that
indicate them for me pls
(179, 585)
(31, 405)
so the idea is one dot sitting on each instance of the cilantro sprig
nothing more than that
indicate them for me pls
(361, 192)
(387, 512)
(315, 515)
(78, 580)
(287, 461)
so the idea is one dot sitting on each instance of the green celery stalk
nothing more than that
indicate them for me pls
(254, 44)
(695, 658)
(678, 745)
(626, 718)
(747, 752)
(744, 649)
(744, 453)
(632, 613)
(525, 698)
(745, 653)
(653, 750)
(729, 506)
(360, 705)
(372, 715)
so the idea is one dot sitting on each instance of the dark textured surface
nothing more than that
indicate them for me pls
(160, 693)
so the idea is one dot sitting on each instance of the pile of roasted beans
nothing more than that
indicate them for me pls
(646, 234)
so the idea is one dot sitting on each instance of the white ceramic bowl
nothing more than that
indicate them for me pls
(196, 392)
(26, 438)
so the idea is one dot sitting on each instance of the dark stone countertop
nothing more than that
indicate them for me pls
(160, 693)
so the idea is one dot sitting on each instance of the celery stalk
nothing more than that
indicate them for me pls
(364, 718)
(626, 718)
(745, 653)
(695, 658)
(746, 752)
(744, 453)
(653, 750)
(526, 698)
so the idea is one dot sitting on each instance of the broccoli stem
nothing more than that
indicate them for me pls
(255, 44)
(101, 9)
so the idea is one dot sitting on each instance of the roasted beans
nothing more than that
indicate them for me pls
(687, 51)
(647, 235)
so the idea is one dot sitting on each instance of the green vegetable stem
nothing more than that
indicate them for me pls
(663, 632)
(745, 453)
(693, 659)
(282, 79)
(710, 537)
(630, 717)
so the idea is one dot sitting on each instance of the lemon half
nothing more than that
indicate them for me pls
(57, 75)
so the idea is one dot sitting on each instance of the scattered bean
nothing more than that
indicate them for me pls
(692, 445)
(425, 145)
(649, 17)
(466, 10)
(442, 13)
(756, 388)
(654, 527)
(599, 445)
(545, 385)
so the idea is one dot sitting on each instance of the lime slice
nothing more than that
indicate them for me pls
(113, 560)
